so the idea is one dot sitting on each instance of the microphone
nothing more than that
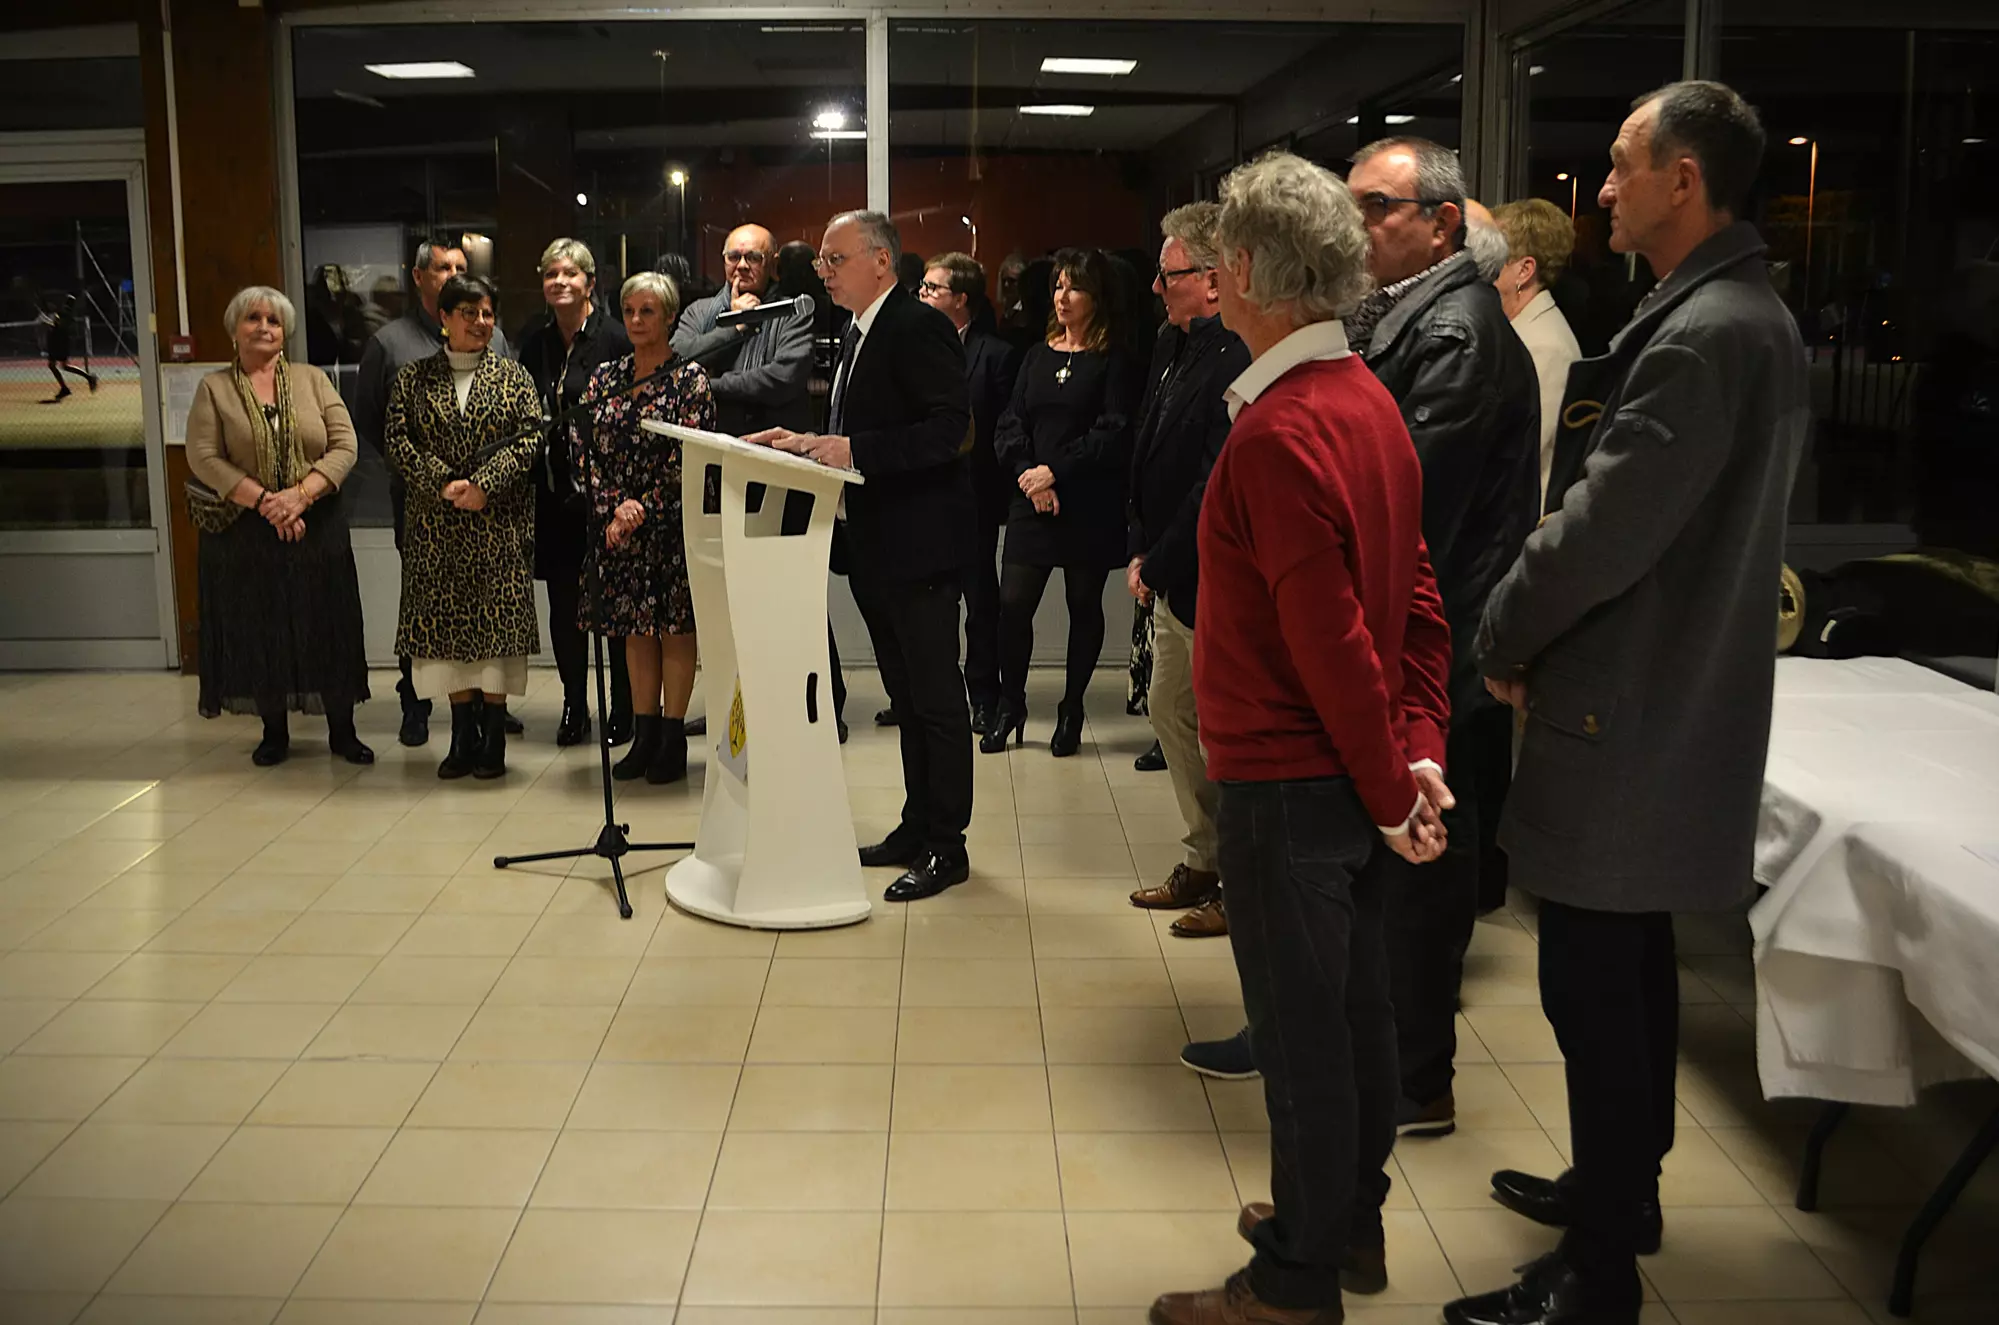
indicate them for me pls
(770, 312)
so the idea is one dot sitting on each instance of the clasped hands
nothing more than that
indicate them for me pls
(628, 516)
(1038, 485)
(829, 449)
(285, 509)
(1426, 836)
(464, 494)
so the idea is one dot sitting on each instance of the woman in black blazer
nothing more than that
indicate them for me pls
(1065, 442)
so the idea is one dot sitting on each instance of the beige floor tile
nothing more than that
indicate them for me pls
(192, 1090)
(1500, 935)
(1106, 859)
(834, 982)
(687, 936)
(1056, 829)
(169, 976)
(414, 1255)
(536, 1034)
(1734, 1254)
(344, 1094)
(576, 981)
(968, 983)
(1111, 982)
(1859, 1248)
(381, 893)
(1492, 980)
(1455, 1172)
(1144, 1171)
(141, 889)
(746, 1258)
(979, 1316)
(573, 1313)
(824, 1035)
(1126, 1260)
(1113, 1035)
(800, 1171)
(138, 1309)
(769, 1316)
(441, 858)
(1128, 1099)
(457, 1167)
(1830, 1312)
(251, 1030)
(18, 924)
(582, 1256)
(636, 1170)
(95, 930)
(972, 1099)
(516, 892)
(419, 1032)
(987, 1258)
(1485, 1098)
(257, 888)
(298, 978)
(68, 1246)
(412, 980)
(59, 1089)
(437, 935)
(1128, 935)
(59, 975)
(343, 933)
(815, 1097)
(23, 1145)
(1077, 897)
(126, 1161)
(698, 982)
(972, 1171)
(989, 938)
(1699, 1173)
(1249, 1162)
(1238, 1106)
(507, 1095)
(1858, 1171)
(968, 1035)
(595, 933)
(107, 1028)
(655, 1097)
(1515, 1034)
(22, 1017)
(239, 931)
(678, 1035)
(1484, 1246)
(291, 1165)
(983, 894)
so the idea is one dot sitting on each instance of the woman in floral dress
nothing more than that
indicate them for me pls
(633, 476)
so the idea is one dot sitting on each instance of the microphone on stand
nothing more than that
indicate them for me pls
(770, 312)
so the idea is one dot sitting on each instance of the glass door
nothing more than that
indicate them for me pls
(85, 579)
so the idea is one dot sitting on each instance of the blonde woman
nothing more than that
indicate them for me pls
(1540, 238)
(280, 605)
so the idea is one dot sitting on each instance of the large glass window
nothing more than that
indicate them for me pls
(649, 141)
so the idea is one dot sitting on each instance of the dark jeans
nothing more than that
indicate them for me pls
(1020, 593)
(1430, 921)
(1611, 990)
(914, 627)
(1308, 874)
(982, 617)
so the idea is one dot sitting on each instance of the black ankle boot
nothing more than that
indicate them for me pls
(276, 745)
(574, 728)
(490, 761)
(645, 743)
(669, 760)
(342, 739)
(1068, 737)
(464, 750)
(1008, 725)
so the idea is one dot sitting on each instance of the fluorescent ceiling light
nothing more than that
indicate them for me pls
(830, 119)
(830, 134)
(1386, 119)
(1799, 141)
(422, 69)
(1058, 109)
(1076, 64)
(1536, 70)
(1973, 142)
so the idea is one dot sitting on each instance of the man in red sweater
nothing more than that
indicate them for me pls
(1321, 660)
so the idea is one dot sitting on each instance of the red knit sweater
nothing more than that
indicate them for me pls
(1320, 647)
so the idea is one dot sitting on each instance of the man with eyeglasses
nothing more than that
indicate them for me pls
(761, 375)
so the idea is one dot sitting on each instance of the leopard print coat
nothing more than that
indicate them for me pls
(468, 592)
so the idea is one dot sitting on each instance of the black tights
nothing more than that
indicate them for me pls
(339, 723)
(571, 646)
(1021, 588)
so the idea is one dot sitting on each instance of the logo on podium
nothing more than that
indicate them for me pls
(733, 750)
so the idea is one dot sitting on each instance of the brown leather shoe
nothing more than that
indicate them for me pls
(1363, 1270)
(1184, 887)
(1236, 1303)
(1206, 921)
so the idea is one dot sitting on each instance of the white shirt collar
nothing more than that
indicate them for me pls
(1314, 342)
(865, 319)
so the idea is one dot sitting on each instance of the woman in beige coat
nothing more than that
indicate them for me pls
(280, 605)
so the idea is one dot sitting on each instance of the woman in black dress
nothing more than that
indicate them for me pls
(644, 595)
(1066, 441)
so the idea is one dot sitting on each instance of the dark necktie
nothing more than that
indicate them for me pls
(849, 345)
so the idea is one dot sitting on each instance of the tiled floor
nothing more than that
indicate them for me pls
(280, 1045)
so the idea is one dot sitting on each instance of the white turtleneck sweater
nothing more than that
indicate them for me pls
(462, 365)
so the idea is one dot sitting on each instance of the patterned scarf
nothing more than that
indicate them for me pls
(280, 453)
(1361, 325)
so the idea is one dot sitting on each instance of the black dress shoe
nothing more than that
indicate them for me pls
(1549, 1293)
(1548, 1201)
(897, 848)
(574, 726)
(1224, 1060)
(842, 724)
(931, 874)
(698, 726)
(271, 751)
(352, 750)
(888, 717)
(1152, 761)
(416, 723)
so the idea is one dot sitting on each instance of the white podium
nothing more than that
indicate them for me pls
(776, 845)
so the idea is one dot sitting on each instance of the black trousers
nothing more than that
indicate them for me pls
(839, 678)
(1611, 990)
(398, 503)
(1308, 876)
(914, 626)
(982, 616)
(571, 645)
(1492, 776)
(1431, 918)
(1021, 587)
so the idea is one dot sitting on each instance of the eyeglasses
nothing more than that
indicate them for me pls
(745, 257)
(1376, 206)
(830, 262)
(933, 288)
(1167, 275)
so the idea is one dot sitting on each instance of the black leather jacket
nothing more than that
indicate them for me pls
(1471, 401)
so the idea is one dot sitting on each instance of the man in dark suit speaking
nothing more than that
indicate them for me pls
(901, 416)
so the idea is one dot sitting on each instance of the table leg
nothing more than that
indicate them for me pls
(1901, 1298)
(1808, 1172)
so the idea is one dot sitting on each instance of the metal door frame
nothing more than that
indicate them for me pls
(116, 155)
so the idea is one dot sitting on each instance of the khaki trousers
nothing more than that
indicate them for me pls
(1178, 728)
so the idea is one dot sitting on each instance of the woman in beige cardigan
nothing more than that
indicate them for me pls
(280, 605)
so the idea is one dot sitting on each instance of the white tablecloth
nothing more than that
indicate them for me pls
(1877, 946)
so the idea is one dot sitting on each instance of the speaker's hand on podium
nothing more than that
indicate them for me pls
(829, 449)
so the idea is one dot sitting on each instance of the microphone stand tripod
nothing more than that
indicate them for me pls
(613, 842)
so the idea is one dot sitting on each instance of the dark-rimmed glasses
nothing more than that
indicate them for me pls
(745, 257)
(1167, 275)
(1375, 206)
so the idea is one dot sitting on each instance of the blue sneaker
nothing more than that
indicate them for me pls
(1224, 1060)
